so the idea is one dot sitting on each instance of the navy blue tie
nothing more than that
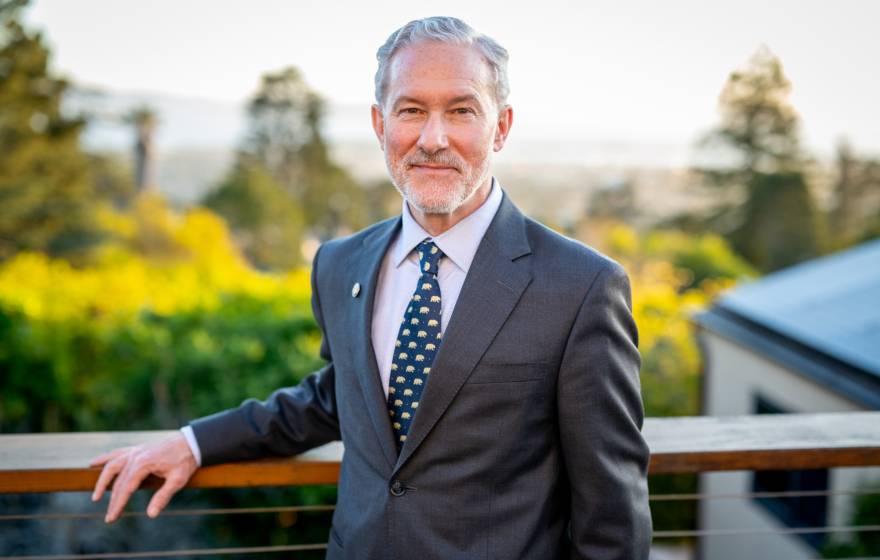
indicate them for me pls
(417, 343)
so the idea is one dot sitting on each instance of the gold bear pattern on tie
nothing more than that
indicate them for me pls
(420, 324)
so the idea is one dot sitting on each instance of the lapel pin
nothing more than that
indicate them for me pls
(356, 289)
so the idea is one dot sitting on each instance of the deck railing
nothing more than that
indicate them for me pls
(58, 462)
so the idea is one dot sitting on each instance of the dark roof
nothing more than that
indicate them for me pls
(820, 315)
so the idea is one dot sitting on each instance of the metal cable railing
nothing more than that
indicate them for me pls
(55, 463)
(766, 531)
(315, 508)
(166, 513)
(753, 495)
(177, 553)
(228, 551)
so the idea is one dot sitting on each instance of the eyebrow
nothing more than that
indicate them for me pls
(403, 99)
(465, 98)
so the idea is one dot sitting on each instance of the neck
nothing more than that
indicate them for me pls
(436, 224)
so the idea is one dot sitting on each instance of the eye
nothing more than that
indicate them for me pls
(464, 111)
(409, 111)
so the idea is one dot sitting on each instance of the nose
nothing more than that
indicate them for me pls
(433, 135)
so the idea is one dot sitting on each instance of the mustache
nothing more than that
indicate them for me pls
(445, 159)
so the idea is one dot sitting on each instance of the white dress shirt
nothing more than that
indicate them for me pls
(400, 272)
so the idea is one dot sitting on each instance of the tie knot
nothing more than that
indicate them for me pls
(429, 257)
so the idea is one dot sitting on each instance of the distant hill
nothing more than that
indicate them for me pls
(550, 177)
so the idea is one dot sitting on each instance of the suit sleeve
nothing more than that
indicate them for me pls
(600, 419)
(291, 421)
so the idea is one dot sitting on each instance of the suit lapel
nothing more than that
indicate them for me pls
(364, 269)
(492, 288)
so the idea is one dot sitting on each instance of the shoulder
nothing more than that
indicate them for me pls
(585, 279)
(568, 259)
(343, 248)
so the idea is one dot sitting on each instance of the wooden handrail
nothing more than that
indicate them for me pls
(58, 462)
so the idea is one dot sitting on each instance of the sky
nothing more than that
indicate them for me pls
(625, 71)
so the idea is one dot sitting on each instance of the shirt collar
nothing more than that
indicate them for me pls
(460, 242)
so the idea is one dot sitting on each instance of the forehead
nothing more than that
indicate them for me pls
(432, 69)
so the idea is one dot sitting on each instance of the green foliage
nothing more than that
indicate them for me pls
(166, 324)
(333, 202)
(159, 371)
(854, 216)
(782, 227)
(154, 371)
(759, 128)
(45, 188)
(673, 275)
(266, 218)
(871, 232)
(755, 159)
(284, 182)
(700, 257)
(673, 515)
(286, 117)
(866, 512)
(111, 180)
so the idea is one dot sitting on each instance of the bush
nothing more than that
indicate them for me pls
(148, 338)
(138, 342)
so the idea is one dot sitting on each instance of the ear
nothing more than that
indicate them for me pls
(505, 121)
(378, 125)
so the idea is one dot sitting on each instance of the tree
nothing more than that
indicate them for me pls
(45, 188)
(284, 182)
(755, 160)
(112, 179)
(9, 9)
(144, 120)
(856, 198)
(285, 137)
(267, 221)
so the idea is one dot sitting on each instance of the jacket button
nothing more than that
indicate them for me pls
(397, 489)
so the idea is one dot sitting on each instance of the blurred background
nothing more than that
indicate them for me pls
(168, 169)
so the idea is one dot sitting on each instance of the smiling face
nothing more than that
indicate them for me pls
(438, 127)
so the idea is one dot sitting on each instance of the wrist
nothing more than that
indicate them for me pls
(193, 444)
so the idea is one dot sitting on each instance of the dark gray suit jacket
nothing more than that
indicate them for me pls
(527, 443)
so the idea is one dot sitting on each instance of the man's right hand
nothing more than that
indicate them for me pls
(170, 459)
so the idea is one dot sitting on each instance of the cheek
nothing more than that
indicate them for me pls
(476, 144)
(400, 139)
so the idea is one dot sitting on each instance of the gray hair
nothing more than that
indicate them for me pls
(448, 30)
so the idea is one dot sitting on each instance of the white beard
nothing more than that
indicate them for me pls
(438, 197)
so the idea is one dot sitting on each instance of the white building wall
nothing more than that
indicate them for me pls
(734, 377)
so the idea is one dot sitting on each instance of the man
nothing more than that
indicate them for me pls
(482, 370)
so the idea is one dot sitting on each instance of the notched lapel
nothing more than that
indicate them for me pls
(494, 284)
(364, 268)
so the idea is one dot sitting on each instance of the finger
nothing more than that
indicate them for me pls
(125, 486)
(105, 457)
(162, 497)
(109, 472)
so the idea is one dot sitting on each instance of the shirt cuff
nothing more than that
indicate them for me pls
(193, 444)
